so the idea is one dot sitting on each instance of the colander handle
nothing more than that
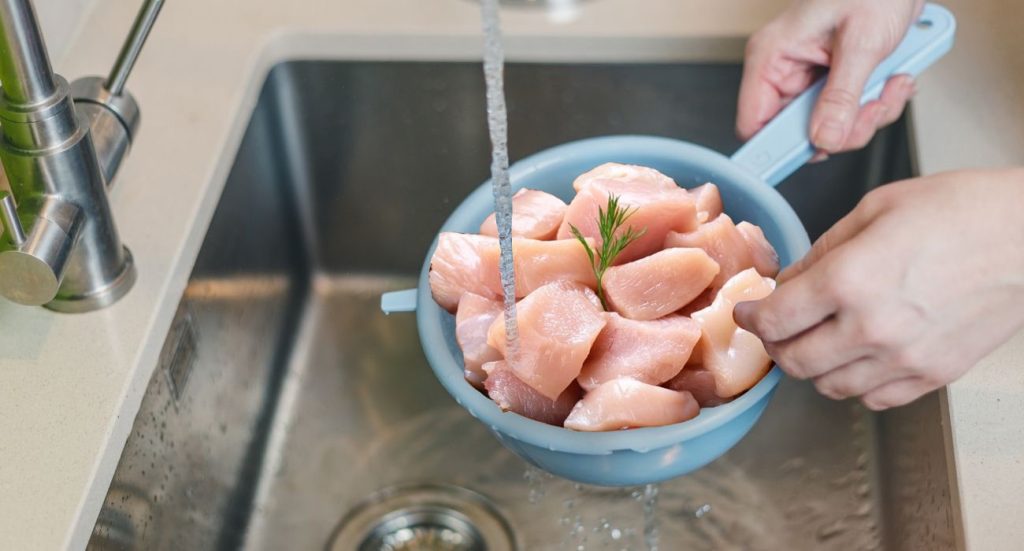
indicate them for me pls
(783, 145)
(398, 301)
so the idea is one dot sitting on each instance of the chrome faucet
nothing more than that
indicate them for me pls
(61, 147)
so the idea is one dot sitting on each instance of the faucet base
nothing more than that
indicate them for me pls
(102, 298)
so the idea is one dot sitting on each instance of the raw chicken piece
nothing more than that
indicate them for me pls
(696, 356)
(558, 324)
(655, 210)
(535, 215)
(700, 383)
(766, 260)
(631, 174)
(538, 263)
(735, 357)
(702, 301)
(696, 380)
(456, 268)
(725, 243)
(649, 351)
(474, 318)
(709, 202)
(511, 394)
(659, 284)
(626, 403)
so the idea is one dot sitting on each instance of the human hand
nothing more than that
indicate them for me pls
(906, 293)
(851, 37)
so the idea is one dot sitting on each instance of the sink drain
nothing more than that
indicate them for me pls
(424, 517)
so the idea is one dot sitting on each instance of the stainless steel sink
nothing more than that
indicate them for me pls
(284, 399)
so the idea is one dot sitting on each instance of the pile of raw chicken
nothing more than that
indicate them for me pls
(668, 344)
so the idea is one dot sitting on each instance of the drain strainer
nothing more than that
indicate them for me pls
(424, 517)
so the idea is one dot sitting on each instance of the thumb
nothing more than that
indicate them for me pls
(856, 53)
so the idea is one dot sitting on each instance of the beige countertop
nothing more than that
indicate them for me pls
(970, 113)
(70, 385)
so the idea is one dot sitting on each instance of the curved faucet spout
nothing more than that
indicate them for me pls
(62, 145)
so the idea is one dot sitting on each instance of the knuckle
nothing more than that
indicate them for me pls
(786, 358)
(890, 400)
(918, 361)
(892, 112)
(875, 403)
(879, 200)
(874, 200)
(860, 140)
(839, 98)
(898, 394)
(866, 36)
(794, 370)
(831, 388)
(871, 332)
(873, 44)
(876, 332)
(844, 283)
(935, 374)
(908, 360)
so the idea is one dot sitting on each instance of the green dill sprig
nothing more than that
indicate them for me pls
(609, 221)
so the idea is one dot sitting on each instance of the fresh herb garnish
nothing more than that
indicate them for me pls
(608, 223)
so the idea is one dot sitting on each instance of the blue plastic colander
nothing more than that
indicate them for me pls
(746, 181)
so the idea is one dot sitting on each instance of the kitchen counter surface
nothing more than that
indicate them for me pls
(70, 385)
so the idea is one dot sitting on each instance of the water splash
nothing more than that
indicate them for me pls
(650, 517)
(536, 480)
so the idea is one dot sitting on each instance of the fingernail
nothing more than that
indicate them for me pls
(829, 136)
(819, 157)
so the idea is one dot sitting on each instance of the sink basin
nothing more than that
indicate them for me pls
(287, 413)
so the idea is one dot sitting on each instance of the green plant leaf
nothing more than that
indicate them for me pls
(609, 221)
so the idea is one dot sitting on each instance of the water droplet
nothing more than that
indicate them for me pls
(792, 464)
(535, 481)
